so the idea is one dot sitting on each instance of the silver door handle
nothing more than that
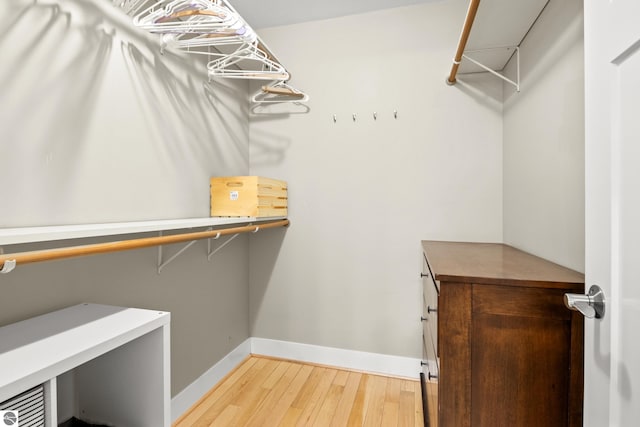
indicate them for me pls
(590, 305)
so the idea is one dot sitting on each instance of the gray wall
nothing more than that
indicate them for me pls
(544, 140)
(363, 194)
(98, 126)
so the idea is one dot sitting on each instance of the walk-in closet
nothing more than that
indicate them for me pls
(337, 213)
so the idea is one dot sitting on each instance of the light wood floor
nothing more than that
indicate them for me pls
(269, 392)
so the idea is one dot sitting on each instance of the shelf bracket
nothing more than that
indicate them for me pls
(495, 73)
(162, 264)
(8, 267)
(225, 243)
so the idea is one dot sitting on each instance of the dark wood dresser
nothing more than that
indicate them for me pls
(500, 348)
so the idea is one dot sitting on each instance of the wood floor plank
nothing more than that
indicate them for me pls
(276, 375)
(291, 417)
(375, 403)
(197, 411)
(392, 392)
(390, 414)
(252, 399)
(251, 380)
(347, 400)
(406, 415)
(417, 395)
(307, 390)
(280, 410)
(226, 417)
(356, 416)
(264, 413)
(312, 407)
(270, 392)
(341, 378)
(391, 407)
(329, 405)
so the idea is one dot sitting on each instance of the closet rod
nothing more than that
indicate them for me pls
(123, 245)
(464, 37)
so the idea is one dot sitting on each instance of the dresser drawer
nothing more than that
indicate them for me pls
(430, 306)
(430, 365)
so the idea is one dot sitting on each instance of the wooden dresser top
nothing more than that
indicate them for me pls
(495, 263)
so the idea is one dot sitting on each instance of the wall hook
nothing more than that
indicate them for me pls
(354, 117)
(375, 116)
(256, 230)
(335, 119)
(395, 114)
(9, 266)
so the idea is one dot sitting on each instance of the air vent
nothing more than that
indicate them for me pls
(29, 405)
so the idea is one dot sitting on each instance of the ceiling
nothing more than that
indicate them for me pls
(499, 24)
(273, 13)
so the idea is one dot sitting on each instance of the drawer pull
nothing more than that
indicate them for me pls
(431, 310)
(424, 275)
(432, 377)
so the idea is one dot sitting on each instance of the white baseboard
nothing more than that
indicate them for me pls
(194, 391)
(399, 366)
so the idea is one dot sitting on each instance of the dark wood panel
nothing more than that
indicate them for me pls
(527, 302)
(520, 371)
(454, 334)
(495, 263)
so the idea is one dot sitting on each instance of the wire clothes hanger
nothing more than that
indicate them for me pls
(185, 16)
(279, 92)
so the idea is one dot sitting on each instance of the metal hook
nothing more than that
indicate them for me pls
(217, 236)
(375, 116)
(395, 114)
(354, 117)
(256, 230)
(335, 119)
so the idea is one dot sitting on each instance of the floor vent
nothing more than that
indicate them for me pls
(29, 407)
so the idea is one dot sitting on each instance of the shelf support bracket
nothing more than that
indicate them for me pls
(495, 73)
(9, 264)
(161, 264)
(8, 267)
(225, 243)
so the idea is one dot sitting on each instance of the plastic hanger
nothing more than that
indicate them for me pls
(255, 65)
(278, 93)
(239, 34)
(185, 16)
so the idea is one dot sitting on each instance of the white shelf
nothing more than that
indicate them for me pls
(37, 349)
(115, 351)
(11, 236)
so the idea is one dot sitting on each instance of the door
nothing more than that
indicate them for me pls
(612, 152)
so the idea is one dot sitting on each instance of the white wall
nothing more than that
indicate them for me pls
(544, 140)
(98, 126)
(363, 194)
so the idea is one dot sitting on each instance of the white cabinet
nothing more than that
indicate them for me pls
(114, 363)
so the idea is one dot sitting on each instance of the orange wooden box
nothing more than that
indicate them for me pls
(253, 196)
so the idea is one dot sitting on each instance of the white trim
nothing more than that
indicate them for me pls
(349, 359)
(194, 391)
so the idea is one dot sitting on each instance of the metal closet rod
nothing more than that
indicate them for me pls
(124, 245)
(464, 37)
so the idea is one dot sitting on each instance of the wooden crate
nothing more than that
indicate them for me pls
(254, 196)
